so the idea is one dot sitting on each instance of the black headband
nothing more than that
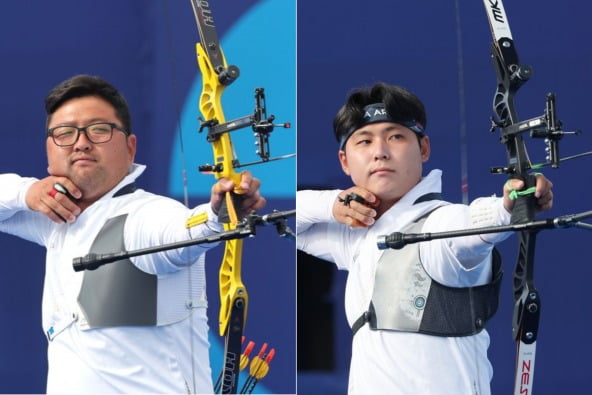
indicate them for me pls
(374, 113)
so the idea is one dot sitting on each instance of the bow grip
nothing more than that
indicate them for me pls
(227, 214)
(524, 207)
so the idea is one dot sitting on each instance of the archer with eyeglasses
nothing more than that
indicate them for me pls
(134, 326)
(96, 133)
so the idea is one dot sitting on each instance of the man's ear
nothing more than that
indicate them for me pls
(131, 142)
(343, 161)
(424, 148)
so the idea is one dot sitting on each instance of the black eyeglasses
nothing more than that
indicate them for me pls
(96, 133)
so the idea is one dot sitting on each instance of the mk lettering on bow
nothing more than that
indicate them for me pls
(496, 11)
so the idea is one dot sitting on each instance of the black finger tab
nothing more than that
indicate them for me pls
(352, 196)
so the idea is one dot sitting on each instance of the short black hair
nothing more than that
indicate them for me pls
(85, 85)
(400, 104)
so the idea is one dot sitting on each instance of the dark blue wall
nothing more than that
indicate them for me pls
(147, 49)
(346, 44)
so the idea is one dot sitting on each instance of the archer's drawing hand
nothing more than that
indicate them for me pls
(543, 193)
(251, 196)
(60, 207)
(355, 207)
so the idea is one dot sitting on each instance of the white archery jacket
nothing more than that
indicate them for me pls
(398, 362)
(127, 359)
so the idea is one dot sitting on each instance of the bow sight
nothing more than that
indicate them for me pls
(261, 124)
(546, 126)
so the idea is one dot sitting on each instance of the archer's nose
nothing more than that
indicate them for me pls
(83, 143)
(381, 151)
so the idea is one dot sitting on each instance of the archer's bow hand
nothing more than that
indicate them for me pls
(354, 207)
(542, 192)
(251, 199)
(54, 197)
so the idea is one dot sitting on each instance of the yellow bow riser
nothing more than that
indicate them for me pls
(232, 289)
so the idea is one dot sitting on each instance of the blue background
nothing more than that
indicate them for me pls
(345, 44)
(147, 49)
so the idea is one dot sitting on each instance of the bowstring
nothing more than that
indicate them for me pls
(177, 109)
(464, 177)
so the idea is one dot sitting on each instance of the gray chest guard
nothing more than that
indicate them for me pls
(406, 298)
(118, 294)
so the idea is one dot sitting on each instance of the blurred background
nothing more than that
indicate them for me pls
(147, 50)
(440, 51)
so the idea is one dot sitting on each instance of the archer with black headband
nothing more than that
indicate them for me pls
(417, 314)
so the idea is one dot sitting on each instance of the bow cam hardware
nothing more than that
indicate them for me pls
(228, 75)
